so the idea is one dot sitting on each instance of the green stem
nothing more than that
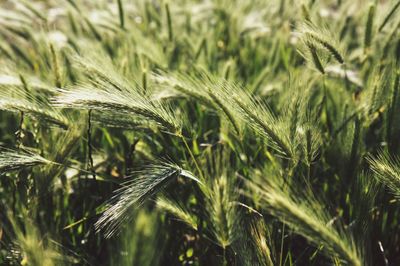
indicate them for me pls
(192, 155)
(121, 14)
(282, 238)
(169, 22)
(89, 132)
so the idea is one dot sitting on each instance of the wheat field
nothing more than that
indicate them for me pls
(199, 132)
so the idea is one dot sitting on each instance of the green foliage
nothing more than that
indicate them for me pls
(134, 192)
(15, 160)
(387, 171)
(303, 213)
(190, 132)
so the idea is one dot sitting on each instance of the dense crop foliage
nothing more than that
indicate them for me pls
(218, 132)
